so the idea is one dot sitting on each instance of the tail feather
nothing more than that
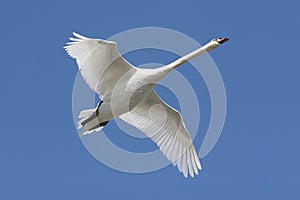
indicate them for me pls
(89, 122)
(86, 113)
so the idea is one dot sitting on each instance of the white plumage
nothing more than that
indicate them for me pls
(128, 92)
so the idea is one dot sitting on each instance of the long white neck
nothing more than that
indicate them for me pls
(204, 49)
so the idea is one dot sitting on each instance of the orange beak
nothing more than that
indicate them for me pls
(222, 40)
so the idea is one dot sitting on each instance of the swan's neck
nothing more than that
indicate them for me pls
(161, 72)
(204, 49)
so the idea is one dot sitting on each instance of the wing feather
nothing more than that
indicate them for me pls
(99, 62)
(166, 128)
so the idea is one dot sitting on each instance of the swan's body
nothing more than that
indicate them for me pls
(127, 92)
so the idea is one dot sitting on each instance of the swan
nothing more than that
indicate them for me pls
(128, 92)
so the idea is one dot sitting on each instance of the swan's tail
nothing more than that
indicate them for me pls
(89, 121)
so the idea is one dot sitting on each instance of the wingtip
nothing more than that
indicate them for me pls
(79, 36)
(199, 166)
(74, 39)
(185, 173)
(75, 34)
(196, 172)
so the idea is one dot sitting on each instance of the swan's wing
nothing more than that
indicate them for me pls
(166, 128)
(99, 62)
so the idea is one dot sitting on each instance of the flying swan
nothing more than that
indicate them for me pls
(128, 92)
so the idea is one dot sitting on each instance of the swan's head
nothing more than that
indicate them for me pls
(214, 43)
(220, 40)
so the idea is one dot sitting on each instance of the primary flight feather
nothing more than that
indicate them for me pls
(128, 92)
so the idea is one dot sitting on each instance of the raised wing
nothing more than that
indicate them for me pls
(99, 62)
(166, 128)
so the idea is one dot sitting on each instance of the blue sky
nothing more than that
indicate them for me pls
(257, 155)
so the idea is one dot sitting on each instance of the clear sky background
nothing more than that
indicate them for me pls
(257, 156)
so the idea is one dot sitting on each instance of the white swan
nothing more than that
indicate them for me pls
(127, 92)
